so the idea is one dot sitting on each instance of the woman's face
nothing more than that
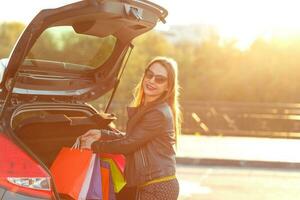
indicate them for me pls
(155, 82)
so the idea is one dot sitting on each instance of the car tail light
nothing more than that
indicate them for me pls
(20, 173)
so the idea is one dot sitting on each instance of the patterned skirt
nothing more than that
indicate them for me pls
(166, 190)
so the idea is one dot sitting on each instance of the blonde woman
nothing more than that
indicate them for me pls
(150, 135)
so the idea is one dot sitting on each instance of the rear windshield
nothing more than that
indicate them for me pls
(63, 44)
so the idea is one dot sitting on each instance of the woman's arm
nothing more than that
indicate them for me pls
(111, 134)
(150, 126)
(95, 134)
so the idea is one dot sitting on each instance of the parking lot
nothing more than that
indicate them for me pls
(225, 183)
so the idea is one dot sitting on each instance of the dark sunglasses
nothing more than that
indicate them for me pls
(159, 79)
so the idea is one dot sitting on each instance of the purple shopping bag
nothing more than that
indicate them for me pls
(112, 195)
(95, 188)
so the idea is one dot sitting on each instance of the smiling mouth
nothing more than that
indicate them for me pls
(150, 87)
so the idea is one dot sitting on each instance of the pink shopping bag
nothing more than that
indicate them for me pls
(119, 159)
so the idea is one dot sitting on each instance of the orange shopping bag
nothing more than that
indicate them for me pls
(69, 170)
(105, 182)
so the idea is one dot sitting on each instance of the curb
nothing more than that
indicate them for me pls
(237, 163)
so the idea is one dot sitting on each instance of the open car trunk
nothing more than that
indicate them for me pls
(45, 132)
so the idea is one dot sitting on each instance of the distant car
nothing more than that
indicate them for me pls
(64, 58)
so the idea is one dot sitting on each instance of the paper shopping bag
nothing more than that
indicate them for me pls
(117, 176)
(95, 189)
(107, 184)
(86, 183)
(69, 170)
(119, 159)
(105, 180)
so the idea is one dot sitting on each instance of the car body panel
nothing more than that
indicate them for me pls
(124, 20)
(9, 195)
(33, 84)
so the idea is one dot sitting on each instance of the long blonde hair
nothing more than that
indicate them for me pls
(172, 94)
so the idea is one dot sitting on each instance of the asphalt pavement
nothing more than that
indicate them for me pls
(236, 183)
(239, 151)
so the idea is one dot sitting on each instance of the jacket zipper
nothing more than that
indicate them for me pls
(144, 162)
(143, 158)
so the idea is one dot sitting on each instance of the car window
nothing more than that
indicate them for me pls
(3, 64)
(63, 44)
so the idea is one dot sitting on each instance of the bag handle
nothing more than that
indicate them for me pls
(76, 145)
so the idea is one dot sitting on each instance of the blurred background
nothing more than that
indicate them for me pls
(237, 62)
(239, 75)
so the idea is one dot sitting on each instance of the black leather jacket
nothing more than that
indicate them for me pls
(148, 144)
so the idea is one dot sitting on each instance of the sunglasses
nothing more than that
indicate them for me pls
(159, 79)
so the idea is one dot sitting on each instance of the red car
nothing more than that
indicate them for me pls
(64, 58)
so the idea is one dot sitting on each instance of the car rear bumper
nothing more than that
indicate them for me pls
(8, 195)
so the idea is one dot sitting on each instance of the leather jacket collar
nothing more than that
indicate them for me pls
(135, 113)
(131, 111)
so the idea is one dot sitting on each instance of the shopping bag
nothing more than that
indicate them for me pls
(95, 189)
(104, 168)
(119, 159)
(86, 183)
(69, 170)
(107, 184)
(117, 176)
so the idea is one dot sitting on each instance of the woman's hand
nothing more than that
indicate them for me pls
(87, 139)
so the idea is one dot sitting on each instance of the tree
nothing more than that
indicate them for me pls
(9, 33)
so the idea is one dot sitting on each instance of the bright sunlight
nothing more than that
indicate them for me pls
(243, 20)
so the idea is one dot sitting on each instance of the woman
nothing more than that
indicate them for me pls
(150, 134)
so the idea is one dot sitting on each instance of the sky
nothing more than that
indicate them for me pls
(240, 19)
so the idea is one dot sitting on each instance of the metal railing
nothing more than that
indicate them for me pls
(228, 118)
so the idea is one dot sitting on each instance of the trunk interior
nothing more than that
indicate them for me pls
(45, 132)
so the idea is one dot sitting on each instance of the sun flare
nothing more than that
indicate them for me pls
(243, 20)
